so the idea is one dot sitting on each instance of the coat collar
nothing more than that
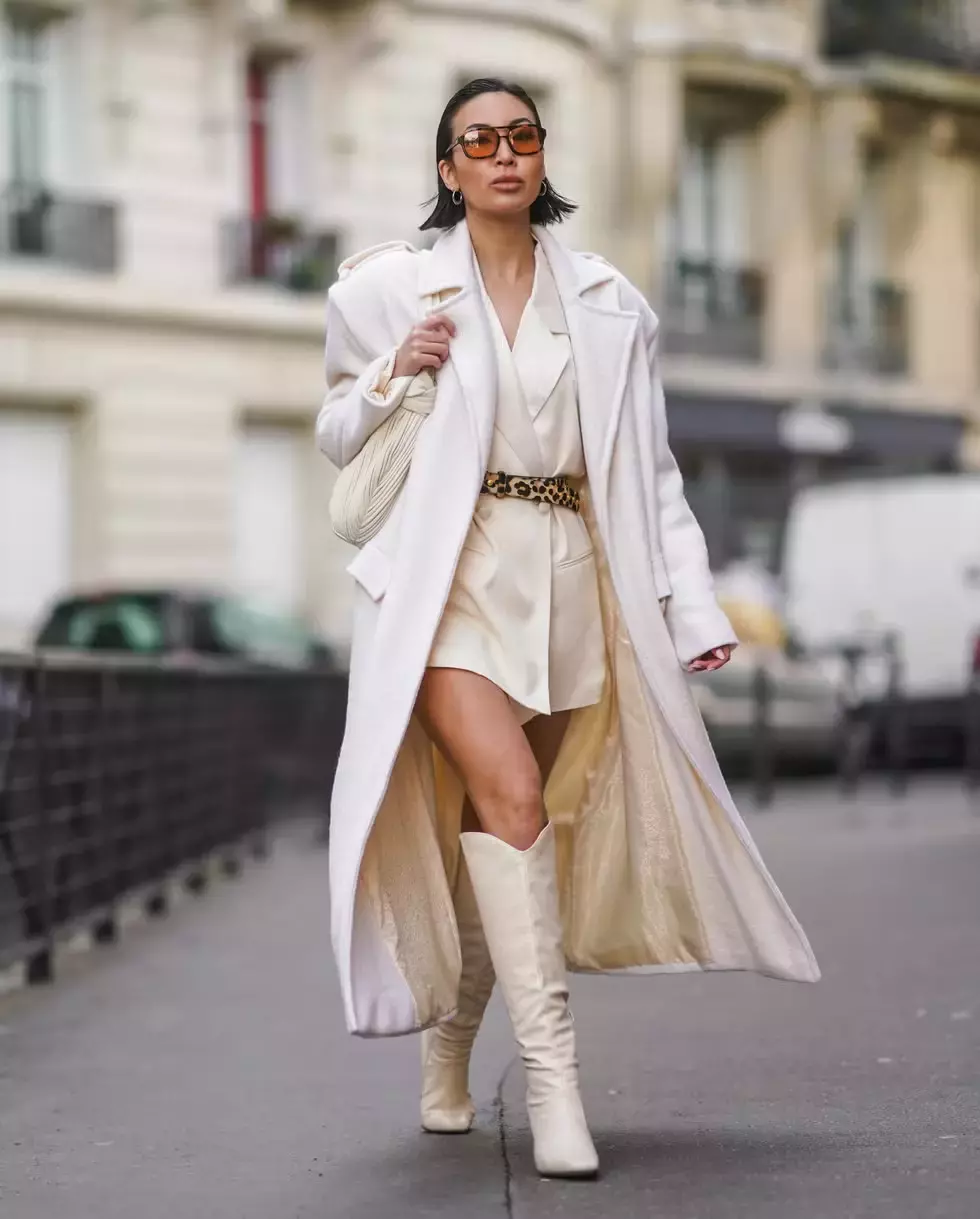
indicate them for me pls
(450, 266)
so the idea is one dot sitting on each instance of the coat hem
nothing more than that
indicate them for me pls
(778, 975)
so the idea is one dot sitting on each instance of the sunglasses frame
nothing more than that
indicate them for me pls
(506, 132)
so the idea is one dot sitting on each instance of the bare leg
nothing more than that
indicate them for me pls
(473, 725)
(471, 721)
(545, 735)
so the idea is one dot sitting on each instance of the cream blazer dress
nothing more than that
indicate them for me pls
(524, 609)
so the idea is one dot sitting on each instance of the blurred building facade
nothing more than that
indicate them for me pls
(795, 184)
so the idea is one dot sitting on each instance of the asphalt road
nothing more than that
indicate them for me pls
(200, 1067)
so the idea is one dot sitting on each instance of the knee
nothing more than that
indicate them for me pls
(513, 809)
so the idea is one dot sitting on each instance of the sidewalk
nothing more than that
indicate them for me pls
(200, 1068)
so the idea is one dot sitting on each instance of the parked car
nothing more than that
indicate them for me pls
(299, 691)
(804, 707)
(155, 622)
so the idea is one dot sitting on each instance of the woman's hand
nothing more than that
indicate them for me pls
(427, 346)
(710, 661)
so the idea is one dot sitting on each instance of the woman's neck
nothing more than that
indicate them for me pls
(504, 246)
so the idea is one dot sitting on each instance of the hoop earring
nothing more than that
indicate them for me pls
(544, 188)
(460, 199)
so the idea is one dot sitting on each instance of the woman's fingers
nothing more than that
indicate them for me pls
(432, 347)
(427, 345)
(431, 355)
(439, 321)
(711, 661)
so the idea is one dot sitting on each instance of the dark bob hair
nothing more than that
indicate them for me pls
(549, 208)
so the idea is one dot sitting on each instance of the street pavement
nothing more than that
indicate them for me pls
(200, 1067)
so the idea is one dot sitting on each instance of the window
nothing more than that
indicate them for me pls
(861, 254)
(713, 213)
(35, 517)
(268, 515)
(25, 108)
(277, 96)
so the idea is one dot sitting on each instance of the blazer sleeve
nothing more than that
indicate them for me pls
(696, 622)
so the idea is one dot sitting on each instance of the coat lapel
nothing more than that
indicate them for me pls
(602, 336)
(448, 279)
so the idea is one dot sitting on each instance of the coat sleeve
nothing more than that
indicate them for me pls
(694, 618)
(361, 393)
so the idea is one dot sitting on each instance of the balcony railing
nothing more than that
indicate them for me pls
(281, 251)
(716, 311)
(38, 223)
(868, 330)
(941, 32)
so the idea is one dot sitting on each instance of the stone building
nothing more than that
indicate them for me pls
(794, 183)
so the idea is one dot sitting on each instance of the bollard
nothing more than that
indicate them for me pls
(972, 748)
(896, 726)
(763, 759)
(39, 966)
(852, 735)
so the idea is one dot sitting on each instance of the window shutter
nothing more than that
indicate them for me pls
(289, 153)
(35, 517)
(268, 515)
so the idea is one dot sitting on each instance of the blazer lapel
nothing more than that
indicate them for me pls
(448, 279)
(542, 351)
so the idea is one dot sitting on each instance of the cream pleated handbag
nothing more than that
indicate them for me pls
(368, 486)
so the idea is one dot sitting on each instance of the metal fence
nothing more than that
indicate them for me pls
(868, 330)
(118, 779)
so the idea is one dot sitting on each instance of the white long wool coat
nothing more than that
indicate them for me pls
(657, 869)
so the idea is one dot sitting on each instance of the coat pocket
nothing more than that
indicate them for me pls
(371, 568)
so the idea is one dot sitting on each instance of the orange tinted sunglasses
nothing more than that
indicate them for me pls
(525, 140)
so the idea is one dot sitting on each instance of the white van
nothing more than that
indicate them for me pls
(867, 558)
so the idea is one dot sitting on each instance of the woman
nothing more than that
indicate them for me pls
(525, 780)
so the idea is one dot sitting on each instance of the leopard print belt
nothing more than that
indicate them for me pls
(553, 490)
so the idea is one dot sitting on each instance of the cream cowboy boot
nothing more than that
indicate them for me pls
(517, 892)
(446, 1104)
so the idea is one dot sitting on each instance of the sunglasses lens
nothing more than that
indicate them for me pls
(526, 140)
(480, 142)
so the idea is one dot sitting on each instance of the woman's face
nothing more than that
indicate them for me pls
(502, 184)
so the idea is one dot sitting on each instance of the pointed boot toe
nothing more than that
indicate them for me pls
(563, 1146)
(447, 1107)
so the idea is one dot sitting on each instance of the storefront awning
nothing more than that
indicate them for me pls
(919, 438)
